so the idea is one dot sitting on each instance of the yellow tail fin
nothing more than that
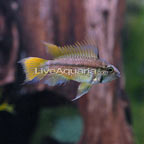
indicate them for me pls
(31, 67)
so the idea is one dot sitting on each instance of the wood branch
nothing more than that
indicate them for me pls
(47, 21)
(9, 43)
(37, 26)
(104, 112)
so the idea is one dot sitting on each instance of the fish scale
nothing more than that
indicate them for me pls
(82, 61)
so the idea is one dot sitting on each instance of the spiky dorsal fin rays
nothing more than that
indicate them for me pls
(85, 49)
(79, 50)
(91, 48)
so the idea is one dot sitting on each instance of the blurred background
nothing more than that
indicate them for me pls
(133, 52)
(38, 114)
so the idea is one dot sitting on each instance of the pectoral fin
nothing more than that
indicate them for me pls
(82, 89)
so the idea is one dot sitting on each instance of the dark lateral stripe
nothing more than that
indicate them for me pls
(78, 65)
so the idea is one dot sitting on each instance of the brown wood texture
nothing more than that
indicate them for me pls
(9, 43)
(104, 108)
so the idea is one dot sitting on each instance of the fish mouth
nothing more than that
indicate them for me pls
(118, 75)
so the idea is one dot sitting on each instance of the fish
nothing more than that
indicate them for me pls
(7, 107)
(79, 62)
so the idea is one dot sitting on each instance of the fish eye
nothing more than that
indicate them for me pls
(110, 69)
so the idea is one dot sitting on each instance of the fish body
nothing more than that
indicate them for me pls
(78, 69)
(79, 62)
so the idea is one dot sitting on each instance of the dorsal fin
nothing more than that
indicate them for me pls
(86, 49)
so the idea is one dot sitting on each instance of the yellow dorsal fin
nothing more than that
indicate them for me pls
(54, 50)
(86, 49)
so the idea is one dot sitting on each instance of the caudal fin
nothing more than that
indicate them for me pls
(32, 66)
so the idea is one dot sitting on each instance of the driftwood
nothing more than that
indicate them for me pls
(9, 42)
(104, 109)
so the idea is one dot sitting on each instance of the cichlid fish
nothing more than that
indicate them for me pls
(79, 62)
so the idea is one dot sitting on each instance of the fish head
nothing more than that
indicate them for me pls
(109, 73)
